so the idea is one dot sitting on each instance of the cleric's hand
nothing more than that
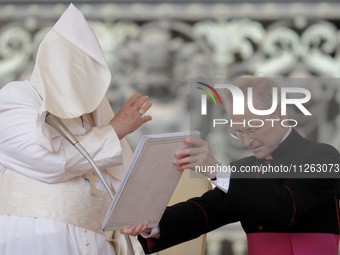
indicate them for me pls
(136, 230)
(197, 155)
(130, 116)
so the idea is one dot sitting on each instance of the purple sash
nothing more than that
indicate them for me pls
(292, 244)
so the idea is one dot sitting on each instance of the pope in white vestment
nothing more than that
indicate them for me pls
(42, 184)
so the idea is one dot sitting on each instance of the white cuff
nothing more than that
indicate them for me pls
(222, 178)
(155, 232)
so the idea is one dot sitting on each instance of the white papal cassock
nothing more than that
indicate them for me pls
(70, 80)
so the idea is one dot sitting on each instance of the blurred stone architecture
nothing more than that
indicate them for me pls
(155, 47)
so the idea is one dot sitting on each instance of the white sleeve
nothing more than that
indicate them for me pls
(103, 146)
(222, 180)
(155, 232)
(20, 151)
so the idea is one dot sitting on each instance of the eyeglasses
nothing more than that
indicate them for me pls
(252, 133)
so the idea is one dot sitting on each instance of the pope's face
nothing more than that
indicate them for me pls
(262, 141)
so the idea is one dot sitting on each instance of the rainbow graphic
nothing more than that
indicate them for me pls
(209, 93)
(204, 98)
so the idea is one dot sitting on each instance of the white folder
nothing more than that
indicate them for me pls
(149, 183)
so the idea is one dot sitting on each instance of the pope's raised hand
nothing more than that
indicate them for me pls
(131, 115)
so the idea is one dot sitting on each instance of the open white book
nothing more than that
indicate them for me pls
(149, 183)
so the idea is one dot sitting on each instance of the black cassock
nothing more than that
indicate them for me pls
(301, 200)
